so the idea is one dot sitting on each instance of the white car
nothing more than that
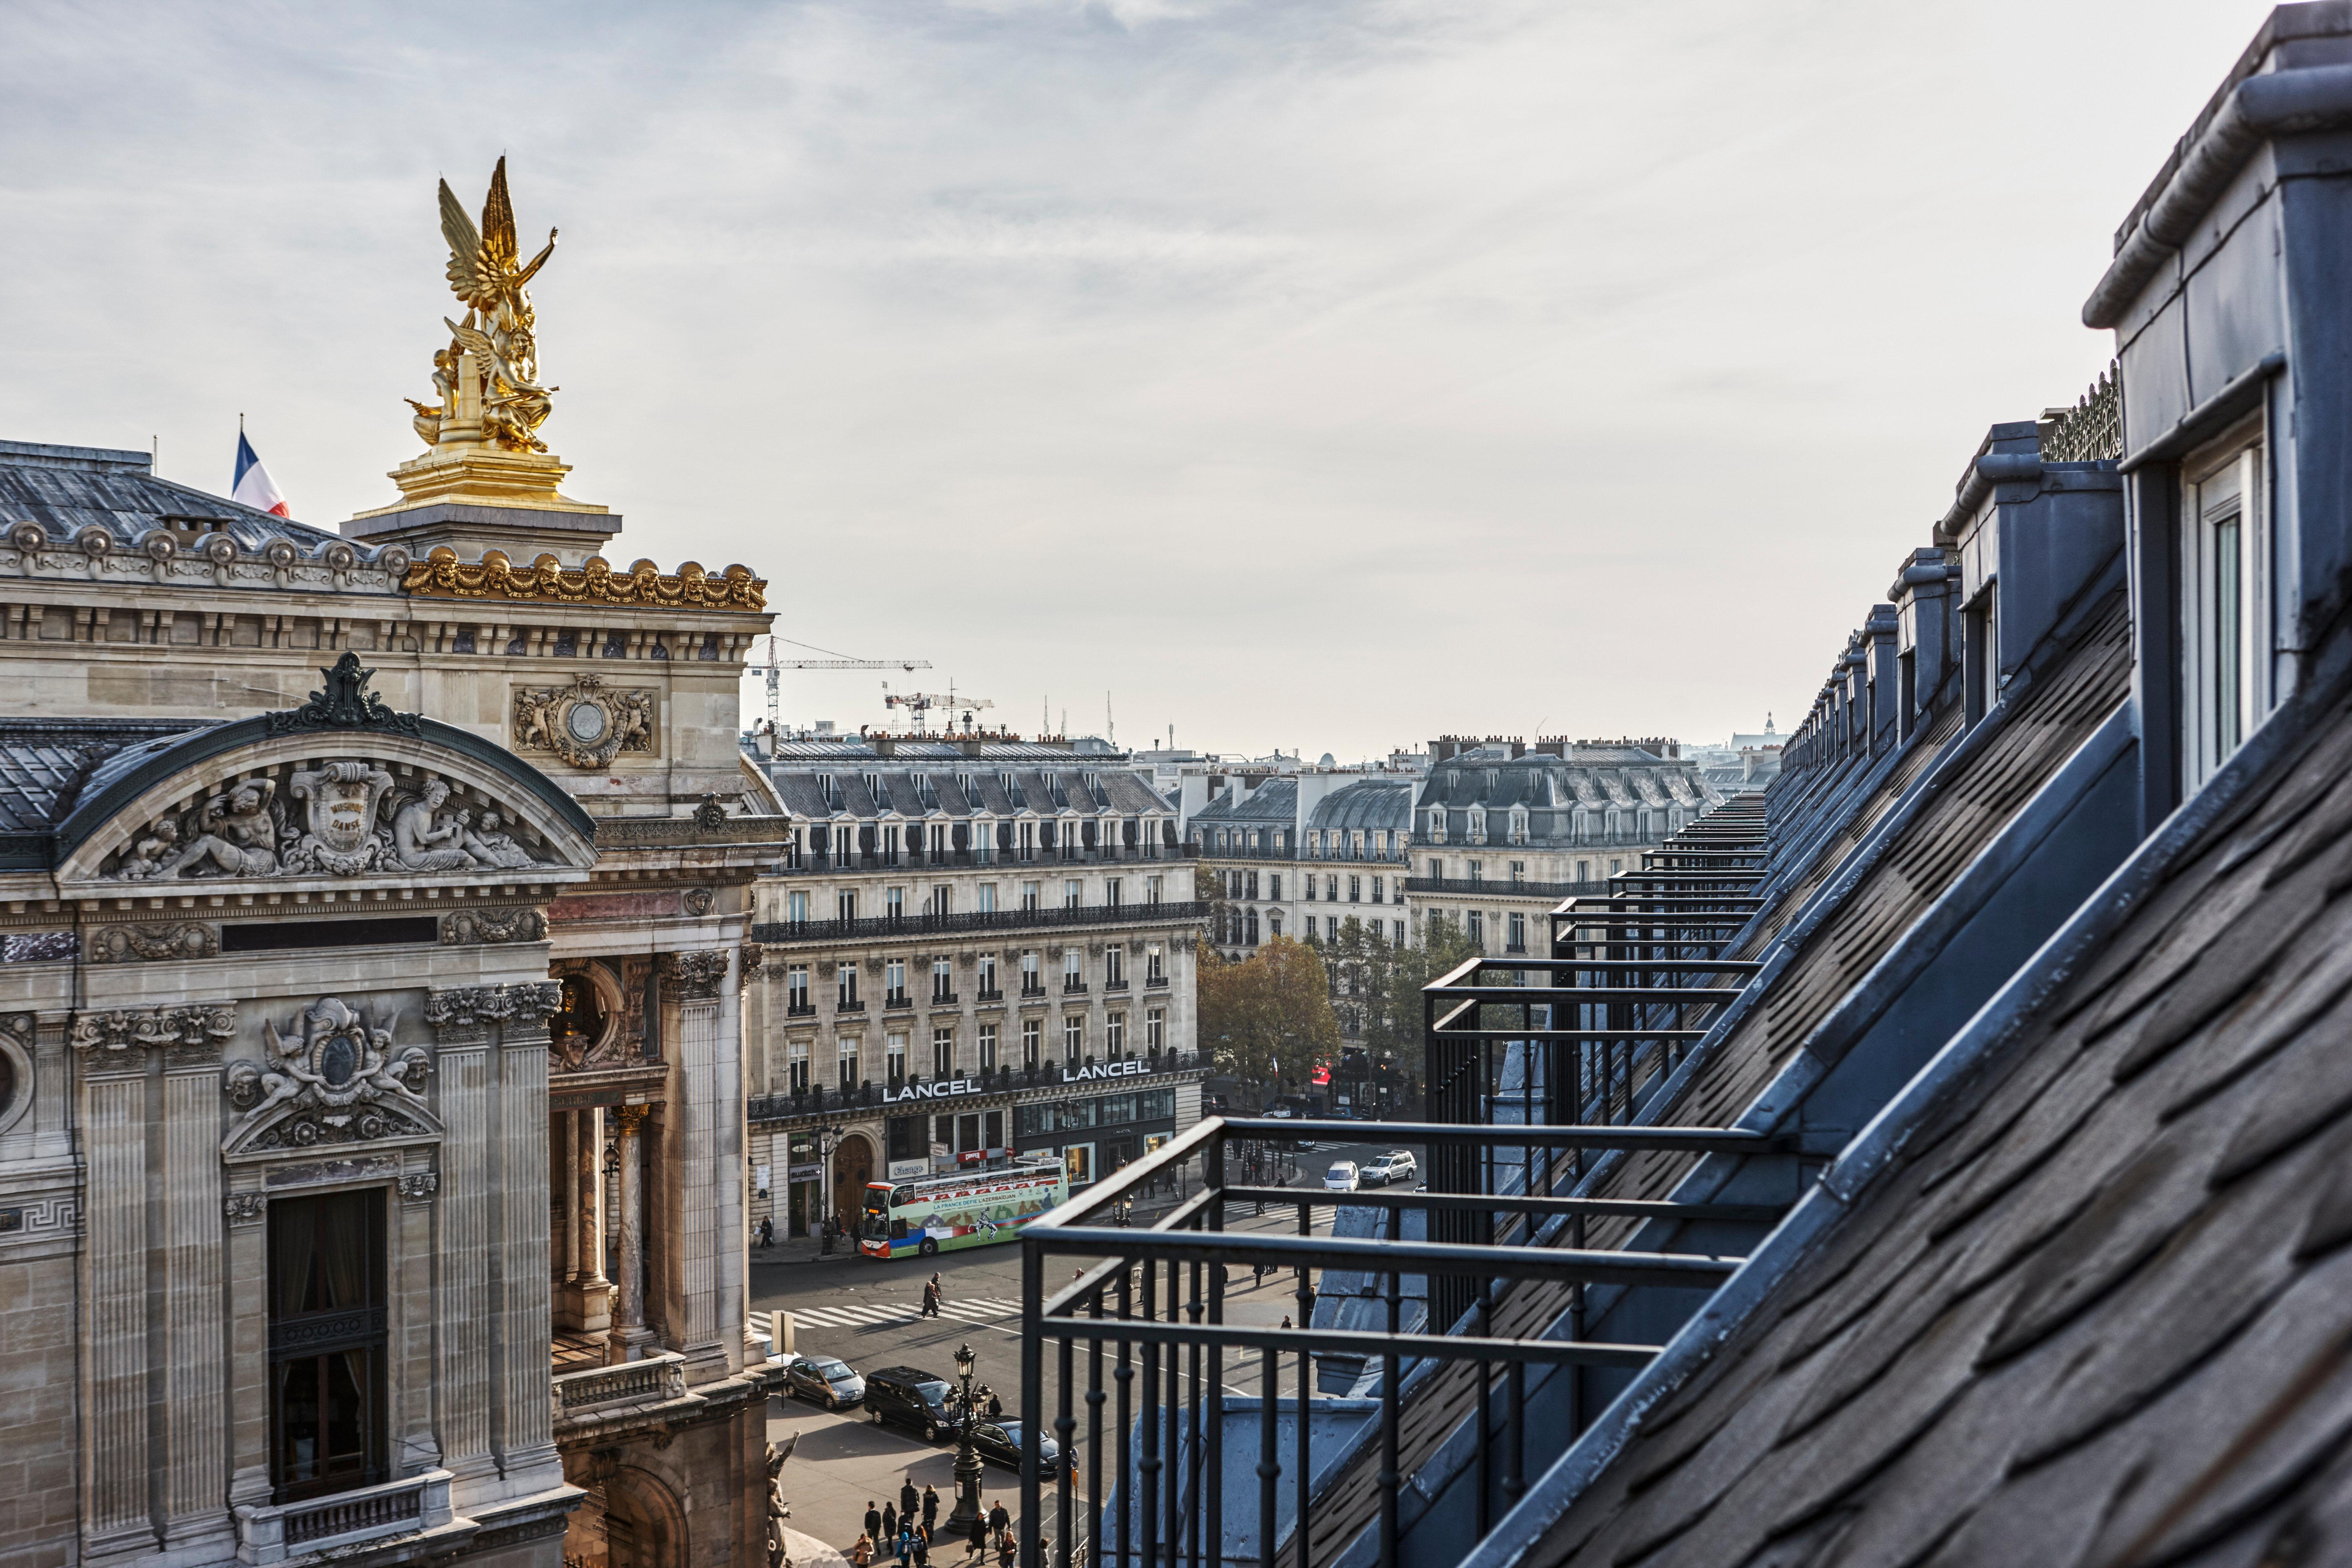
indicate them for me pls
(1384, 1170)
(1340, 1177)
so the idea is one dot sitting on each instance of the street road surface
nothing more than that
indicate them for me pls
(870, 1314)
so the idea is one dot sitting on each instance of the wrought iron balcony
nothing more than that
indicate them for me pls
(794, 932)
(1468, 1298)
(1159, 1305)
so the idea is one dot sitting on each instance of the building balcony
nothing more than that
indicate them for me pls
(1479, 887)
(987, 995)
(896, 1092)
(790, 932)
(294, 1532)
(799, 1009)
(1074, 987)
(944, 998)
(827, 864)
(849, 1007)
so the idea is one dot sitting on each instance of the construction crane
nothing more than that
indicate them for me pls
(918, 703)
(776, 667)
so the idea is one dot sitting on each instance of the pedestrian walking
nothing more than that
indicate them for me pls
(930, 1508)
(873, 1519)
(862, 1555)
(905, 1542)
(910, 1500)
(922, 1549)
(889, 1525)
(930, 1300)
(1285, 1319)
(995, 1412)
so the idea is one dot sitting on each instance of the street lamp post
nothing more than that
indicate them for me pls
(966, 1518)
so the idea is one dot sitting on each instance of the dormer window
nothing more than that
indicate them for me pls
(2224, 544)
(873, 786)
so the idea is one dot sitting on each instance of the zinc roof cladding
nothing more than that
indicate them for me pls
(1124, 793)
(68, 490)
(1537, 781)
(45, 764)
(2091, 1310)
(2076, 681)
(1275, 800)
(1367, 804)
(2070, 695)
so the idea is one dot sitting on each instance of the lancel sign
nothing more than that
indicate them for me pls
(948, 1087)
(1137, 1069)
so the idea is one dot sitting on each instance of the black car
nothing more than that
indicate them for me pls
(913, 1399)
(1000, 1441)
(830, 1383)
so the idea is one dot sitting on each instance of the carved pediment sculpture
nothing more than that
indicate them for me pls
(333, 1078)
(346, 817)
(345, 704)
(586, 724)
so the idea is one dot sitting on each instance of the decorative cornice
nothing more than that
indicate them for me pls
(442, 575)
(486, 1003)
(161, 1028)
(345, 704)
(183, 939)
(474, 928)
(697, 975)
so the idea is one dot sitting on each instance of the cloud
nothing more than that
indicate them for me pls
(1314, 374)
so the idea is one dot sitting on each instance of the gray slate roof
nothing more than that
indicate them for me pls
(1047, 793)
(1275, 800)
(45, 764)
(1369, 804)
(2094, 1307)
(68, 489)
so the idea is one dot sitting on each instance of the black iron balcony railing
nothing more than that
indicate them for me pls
(820, 863)
(1157, 1306)
(1098, 1071)
(1539, 1073)
(1500, 888)
(790, 931)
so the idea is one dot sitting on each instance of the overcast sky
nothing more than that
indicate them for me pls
(1321, 376)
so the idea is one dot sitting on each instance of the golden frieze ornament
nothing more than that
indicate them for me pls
(592, 581)
(487, 378)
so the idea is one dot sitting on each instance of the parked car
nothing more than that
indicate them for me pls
(1340, 1177)
(1000, 1441)
(1280, 1110)
(829, 1382)
(909, 1397)
(1382, 1170)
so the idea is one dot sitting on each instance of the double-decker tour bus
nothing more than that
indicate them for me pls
(968, 1208)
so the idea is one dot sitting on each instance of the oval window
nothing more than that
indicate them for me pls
(586, 721)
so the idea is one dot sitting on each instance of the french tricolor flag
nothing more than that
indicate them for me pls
(254, 486)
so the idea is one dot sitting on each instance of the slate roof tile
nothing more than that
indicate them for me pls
(2112, 1277)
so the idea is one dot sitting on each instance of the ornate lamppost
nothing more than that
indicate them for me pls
(966, 1518)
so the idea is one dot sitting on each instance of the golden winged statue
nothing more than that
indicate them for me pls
(497, 331)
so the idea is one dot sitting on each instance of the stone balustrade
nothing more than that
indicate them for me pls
(284, 1533)
(657, 1377)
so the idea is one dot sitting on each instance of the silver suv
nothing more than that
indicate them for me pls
(1386, 1169)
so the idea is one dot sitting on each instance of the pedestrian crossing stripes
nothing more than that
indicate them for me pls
(878, 1314)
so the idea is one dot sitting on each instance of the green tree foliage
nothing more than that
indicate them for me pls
(1268, 1017)
(1391, 982)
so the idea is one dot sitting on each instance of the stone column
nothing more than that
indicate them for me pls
(113, 1067)
(247, 1212)
(701, 1166)
(525, 1303)
(461, 1018)
(195, 1375)
(418, 1447)
(629, 1334)
(594, 1291)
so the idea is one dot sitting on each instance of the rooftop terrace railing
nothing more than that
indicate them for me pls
(1534, 1067)
(1154, 1314)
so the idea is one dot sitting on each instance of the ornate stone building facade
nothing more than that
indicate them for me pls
(971, 950)
(371, 1166)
